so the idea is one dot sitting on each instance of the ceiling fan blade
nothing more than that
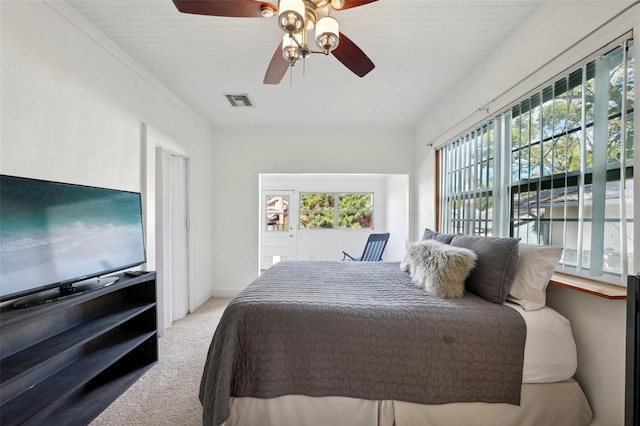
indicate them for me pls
(234, 9)
(277, 67)
(352, 57)
(348, 4)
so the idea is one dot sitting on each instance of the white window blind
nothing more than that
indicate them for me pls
(554, 168)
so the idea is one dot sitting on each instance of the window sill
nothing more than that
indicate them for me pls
(596, 288)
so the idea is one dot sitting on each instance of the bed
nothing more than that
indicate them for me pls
(358, 343)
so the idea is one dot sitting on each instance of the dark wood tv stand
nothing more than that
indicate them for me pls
(63, 363)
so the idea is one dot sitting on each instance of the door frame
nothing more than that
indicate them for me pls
(150, 140)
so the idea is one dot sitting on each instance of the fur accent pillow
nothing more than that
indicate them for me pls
(439, 268)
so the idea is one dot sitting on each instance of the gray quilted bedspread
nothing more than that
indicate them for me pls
(362, 330)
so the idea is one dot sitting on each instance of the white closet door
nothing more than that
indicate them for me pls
(179, 225)
(171, 238)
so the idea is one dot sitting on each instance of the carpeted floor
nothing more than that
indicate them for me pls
(168, 393)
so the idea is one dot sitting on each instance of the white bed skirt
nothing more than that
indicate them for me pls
(561, 403)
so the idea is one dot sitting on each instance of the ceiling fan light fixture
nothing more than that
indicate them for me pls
(291, 16)
(337, 4)
(327, 34)
(290, 47)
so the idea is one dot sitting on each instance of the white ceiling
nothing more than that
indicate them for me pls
(421, 48)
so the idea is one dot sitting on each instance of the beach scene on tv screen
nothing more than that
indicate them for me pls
(52, 233)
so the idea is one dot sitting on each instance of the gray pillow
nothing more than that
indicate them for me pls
(496, 266)
(433, 235)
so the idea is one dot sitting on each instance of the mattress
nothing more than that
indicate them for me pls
(550, 350)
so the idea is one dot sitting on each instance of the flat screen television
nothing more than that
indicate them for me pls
(58, 239)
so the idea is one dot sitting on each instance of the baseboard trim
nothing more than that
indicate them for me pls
(224, 292)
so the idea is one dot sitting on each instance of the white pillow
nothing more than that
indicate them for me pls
(535, 268)
(439, 268)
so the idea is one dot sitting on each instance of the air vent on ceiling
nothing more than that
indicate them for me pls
(241, 100)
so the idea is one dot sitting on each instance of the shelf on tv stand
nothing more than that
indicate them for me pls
(70, 359)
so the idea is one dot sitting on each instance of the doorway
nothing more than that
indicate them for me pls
(172, 240)
(165, 168)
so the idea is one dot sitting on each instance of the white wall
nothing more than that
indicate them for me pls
(241, 155)
(556, 37)
(397, 205)
(72, 109)
(599, 331)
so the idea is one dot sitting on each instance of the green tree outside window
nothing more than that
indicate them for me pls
(320, 210)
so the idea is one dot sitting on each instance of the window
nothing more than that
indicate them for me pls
(277, 210)
(320, 210)
(564, 155)
(317, 210)
(467, 182)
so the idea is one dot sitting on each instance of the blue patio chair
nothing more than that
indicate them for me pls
(372, 250)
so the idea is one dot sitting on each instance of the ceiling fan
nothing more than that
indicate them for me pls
(297, 18)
